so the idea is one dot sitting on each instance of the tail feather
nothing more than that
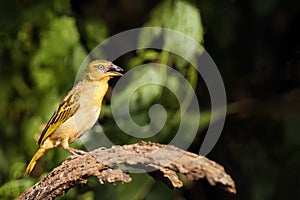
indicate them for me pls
(35, 158)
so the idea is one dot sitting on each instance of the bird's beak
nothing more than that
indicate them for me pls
(114, 70)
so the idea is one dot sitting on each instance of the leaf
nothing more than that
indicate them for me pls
(158, 17)
(55, 56)
(185, 19)
(96, 32)
(14, 188)
(178, 16)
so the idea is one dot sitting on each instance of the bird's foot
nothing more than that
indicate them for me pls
(71, 157)
(75, 153)
(78, 152)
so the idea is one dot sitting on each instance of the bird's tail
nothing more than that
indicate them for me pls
(34, 159)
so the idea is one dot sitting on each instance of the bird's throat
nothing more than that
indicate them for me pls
(99, 92)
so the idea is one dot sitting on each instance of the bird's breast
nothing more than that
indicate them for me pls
(84, 118)
(90, 106)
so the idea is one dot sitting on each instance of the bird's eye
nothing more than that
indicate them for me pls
(100, 67)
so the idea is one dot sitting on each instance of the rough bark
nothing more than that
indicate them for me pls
(162, 162)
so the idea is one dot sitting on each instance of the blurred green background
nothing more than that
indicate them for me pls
(255, 45)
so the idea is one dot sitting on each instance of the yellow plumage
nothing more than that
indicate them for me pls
(78, 111)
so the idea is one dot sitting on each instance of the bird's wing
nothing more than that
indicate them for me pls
(66, 109)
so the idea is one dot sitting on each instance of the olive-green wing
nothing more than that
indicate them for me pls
(66, 109)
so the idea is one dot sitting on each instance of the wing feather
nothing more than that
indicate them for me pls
(66, 109)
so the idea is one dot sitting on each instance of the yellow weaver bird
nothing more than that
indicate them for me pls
(78, 111)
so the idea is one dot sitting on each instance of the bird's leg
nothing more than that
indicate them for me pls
(73, 151)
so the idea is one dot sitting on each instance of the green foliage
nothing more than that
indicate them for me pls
(40, 56)
(180, 16)
(43, 43)
(14, 188)
(39, 59)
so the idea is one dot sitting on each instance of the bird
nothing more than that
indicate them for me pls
(78, 111)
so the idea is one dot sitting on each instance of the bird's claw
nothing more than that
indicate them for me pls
(78, 152)
(71, 157)
(75, 153)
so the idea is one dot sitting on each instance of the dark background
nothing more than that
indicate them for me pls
(255, 45)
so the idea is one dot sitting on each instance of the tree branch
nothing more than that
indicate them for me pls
(162, 162)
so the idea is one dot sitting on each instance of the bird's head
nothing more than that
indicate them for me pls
(102, 70)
